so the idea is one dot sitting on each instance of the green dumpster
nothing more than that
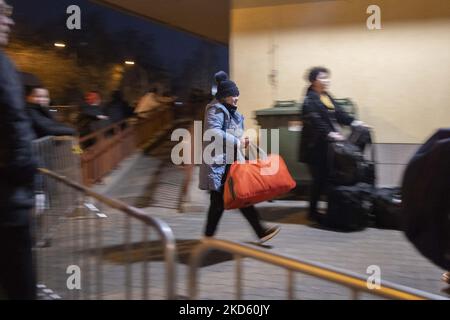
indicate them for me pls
(286, 116)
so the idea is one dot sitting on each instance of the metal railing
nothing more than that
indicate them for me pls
(104, 149)
(354, 282)
(85, 237)
(56, 154)
(151, 122)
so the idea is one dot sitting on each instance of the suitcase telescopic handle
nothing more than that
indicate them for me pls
(330, 152)
(370, 144)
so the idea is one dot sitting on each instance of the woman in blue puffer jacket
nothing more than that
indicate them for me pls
(223, 120)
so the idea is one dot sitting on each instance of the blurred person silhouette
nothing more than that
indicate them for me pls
(92, 116)
(426, 201)
(17, 172)
(44, 124)
(148, 102)
(322, 118)
(38, 100)
(118, 109)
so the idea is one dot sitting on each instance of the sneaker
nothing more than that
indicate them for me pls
(269, 234)
(446, 277)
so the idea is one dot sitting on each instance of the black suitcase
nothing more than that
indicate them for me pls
(387, 208)
(349, 166)
(361, 137)
(349, 207)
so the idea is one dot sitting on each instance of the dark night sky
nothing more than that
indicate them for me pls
(173, 46)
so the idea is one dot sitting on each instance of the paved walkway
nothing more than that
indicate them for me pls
(390, 250)
(153, 183)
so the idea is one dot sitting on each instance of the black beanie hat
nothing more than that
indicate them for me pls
(225, 87)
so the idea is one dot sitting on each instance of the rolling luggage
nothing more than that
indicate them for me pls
(349, 207)
(349, 166)
(352, 180)
(387, 208)
(360, 137)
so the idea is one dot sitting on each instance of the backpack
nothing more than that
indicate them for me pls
(387, 208)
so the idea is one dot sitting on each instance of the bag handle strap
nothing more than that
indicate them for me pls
(254, 153)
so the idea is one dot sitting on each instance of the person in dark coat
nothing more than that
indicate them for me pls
(92, 117)
(322, 117)
(426, 200)
(17, 172)
(118, 109)
(43, 123)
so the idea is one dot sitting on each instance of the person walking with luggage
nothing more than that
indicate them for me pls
(322, 117)
(222, 118)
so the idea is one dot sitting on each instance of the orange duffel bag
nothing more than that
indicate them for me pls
(252, 182)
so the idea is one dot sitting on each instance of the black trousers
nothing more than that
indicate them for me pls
(17, 276)
(320, 175)
(216, 209)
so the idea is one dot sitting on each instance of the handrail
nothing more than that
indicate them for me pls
(104, 149)
(164, 230)
(119, 124)
(102, 130)
(349, 279)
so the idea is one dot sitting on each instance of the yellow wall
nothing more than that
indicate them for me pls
(399, 76)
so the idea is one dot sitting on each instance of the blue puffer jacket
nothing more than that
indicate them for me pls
(230, 127)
